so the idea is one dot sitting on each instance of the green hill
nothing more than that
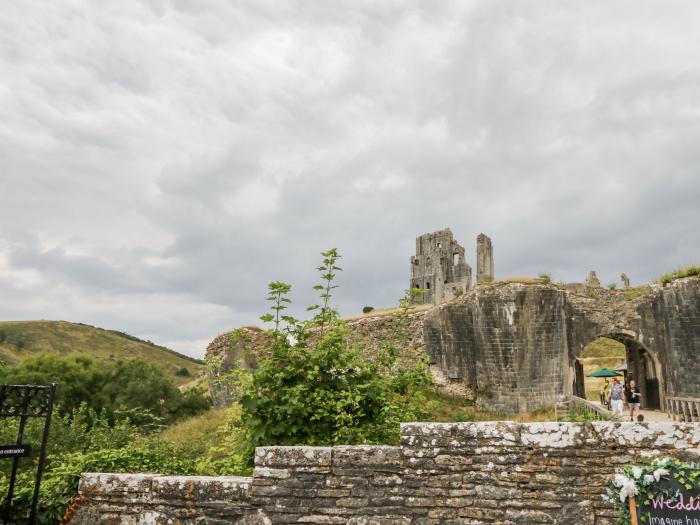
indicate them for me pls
(20, 339)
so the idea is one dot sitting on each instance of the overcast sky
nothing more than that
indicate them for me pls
(162, 161)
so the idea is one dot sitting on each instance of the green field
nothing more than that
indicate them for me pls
(601, 353)
(21, 339)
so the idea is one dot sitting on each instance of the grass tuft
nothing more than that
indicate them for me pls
(692, 270)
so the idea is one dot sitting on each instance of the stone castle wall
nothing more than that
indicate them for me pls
(516, 344)
(449, 473)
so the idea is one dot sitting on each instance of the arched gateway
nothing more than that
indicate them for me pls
(517, 344)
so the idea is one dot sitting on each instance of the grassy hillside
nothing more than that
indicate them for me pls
(601, 353)
(20, 339)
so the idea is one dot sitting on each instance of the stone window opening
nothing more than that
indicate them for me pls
(439, 245)
(427, 285)
(455, 259)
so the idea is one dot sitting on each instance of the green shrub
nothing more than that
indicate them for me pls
(134, 389)
(183, 372)
(317, 388)
(612, 286)
(367, 309)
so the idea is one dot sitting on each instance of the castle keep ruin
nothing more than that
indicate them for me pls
(439, 268)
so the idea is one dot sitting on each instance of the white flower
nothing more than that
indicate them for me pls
(628, 488)
(637, 472)
(660, 472)
(648, 478)
(620, 480)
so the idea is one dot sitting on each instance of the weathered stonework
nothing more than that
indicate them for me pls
(625, 280)
(443, 473)
(238, 349)
(517, 345)
(484, 259)
(592, 280)
(439, 268)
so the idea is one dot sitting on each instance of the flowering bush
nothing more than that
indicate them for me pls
(642, 483)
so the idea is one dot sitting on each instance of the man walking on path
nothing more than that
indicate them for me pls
(615, 399)
(634, 399)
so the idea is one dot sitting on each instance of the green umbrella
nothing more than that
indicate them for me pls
(604, 372)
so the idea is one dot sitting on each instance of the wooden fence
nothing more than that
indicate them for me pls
(683, 408)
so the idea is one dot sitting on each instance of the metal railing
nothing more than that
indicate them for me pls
(683, 408)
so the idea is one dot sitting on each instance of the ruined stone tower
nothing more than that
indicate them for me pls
(439, 267)
(484, 259)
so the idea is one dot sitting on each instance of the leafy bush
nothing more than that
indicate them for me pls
(689, 271)
(183, 372)
(367, 309)
(317, 388)
(134, 388)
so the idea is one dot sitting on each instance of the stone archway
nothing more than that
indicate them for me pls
(516, 344)
(643, 366)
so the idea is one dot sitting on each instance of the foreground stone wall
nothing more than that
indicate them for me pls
(459, 473)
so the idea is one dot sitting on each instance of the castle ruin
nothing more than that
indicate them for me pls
(439, 268)
(484, 259)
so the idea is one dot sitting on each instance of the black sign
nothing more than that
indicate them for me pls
(15, 451)
(672, 504)
(24, 402)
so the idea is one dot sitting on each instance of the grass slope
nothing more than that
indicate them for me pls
(601, 353)
(20, 339)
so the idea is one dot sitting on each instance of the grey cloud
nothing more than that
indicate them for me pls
(162, 161)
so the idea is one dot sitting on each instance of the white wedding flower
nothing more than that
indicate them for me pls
(637, 472)
(648, 478)
(620, 480)
(660, 472)
(628, 488)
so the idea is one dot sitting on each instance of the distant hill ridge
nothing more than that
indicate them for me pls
(21, 339)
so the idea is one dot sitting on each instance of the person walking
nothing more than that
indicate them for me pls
(615, 397)
(634, 399)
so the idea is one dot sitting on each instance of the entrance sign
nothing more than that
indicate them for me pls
(10, 451)
(24, 402)
(671, 504)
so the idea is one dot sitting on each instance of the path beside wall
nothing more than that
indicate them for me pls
(443, 473)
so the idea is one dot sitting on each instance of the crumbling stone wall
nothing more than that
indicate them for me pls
(242, 348)
(515, 344)
(238, 349)
(508, 342)
(446, 473)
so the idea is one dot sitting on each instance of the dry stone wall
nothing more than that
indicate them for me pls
(443, 473)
